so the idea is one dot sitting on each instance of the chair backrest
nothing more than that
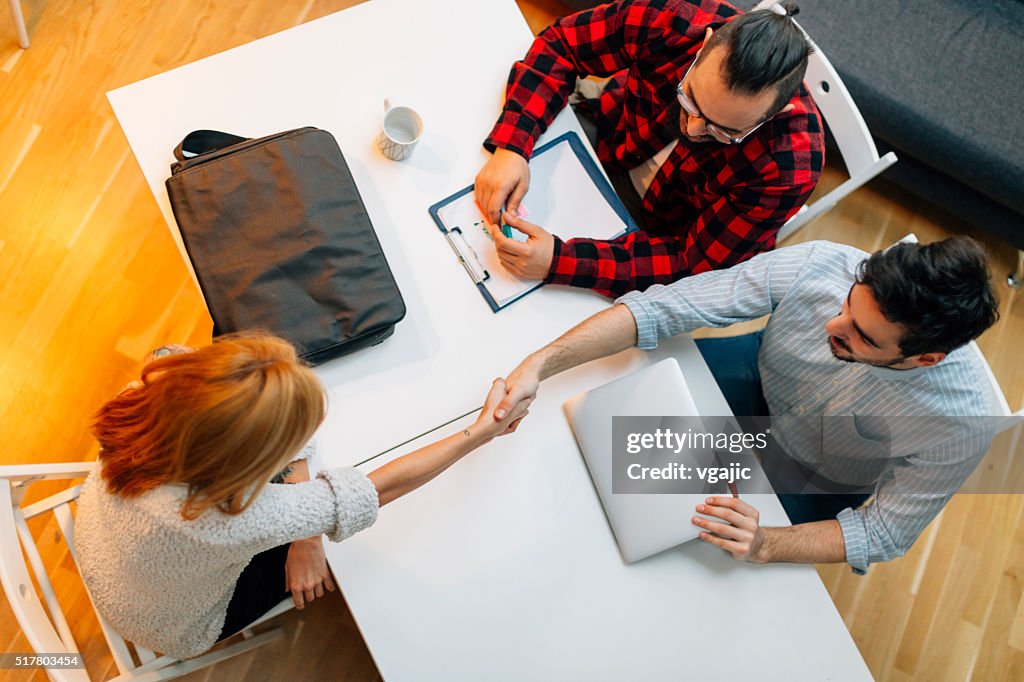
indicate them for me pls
(47, 630)
(43, 623)
(856, 146)
(996, 397)
(837, 107)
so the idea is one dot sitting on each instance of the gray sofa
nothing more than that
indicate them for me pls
(941, 82)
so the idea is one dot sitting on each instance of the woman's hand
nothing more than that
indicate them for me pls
(306, 574)
(486, 426)
(408, 472)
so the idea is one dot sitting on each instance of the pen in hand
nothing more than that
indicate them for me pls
(505, 229)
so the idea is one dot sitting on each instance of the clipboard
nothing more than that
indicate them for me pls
(569, 195)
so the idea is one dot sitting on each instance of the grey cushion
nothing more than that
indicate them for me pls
(939, 80)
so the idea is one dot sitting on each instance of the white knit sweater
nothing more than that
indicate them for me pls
(165, 583)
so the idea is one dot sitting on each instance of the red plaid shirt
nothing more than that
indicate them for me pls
(711, 205)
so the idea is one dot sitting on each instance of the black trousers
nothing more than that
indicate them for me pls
(260, 588)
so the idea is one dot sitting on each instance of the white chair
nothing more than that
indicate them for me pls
(46, 629)
(848, 128)
(19, 23)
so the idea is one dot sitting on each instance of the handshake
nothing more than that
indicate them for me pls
(606, 333)
(508, 401)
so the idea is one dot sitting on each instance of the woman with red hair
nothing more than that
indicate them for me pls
(182, 537)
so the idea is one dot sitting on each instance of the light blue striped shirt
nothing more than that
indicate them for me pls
(916, 470)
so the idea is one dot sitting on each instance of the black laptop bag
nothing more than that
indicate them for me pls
(280, 240)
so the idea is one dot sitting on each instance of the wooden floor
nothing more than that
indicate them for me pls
(92, 281)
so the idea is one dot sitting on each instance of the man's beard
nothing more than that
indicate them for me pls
(855, 359)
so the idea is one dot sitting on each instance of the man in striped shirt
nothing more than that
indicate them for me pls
(864, 344)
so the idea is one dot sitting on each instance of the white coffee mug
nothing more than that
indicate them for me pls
(403, 128)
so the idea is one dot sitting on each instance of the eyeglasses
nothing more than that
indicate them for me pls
(691, 109)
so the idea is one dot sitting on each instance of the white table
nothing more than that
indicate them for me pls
(445, 352)
(503, 568)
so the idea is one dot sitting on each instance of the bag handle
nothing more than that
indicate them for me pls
(200, 142)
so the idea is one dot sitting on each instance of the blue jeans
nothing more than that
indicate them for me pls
(733, 363)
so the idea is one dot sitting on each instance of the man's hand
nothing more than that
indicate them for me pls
(741, 535)
(306, 574)
(520, 387)
(526, 260)
(502, 183)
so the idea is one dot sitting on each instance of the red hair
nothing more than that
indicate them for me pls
(222, 420)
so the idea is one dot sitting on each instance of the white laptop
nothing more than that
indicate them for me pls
(643, 524)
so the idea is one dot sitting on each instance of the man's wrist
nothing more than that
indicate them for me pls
(556, 251)
(766, 550)
(537, 364)
(503, 151)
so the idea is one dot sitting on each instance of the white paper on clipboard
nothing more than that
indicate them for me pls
(563, 198)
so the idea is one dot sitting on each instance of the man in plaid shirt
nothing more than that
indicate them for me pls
(705, 128)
